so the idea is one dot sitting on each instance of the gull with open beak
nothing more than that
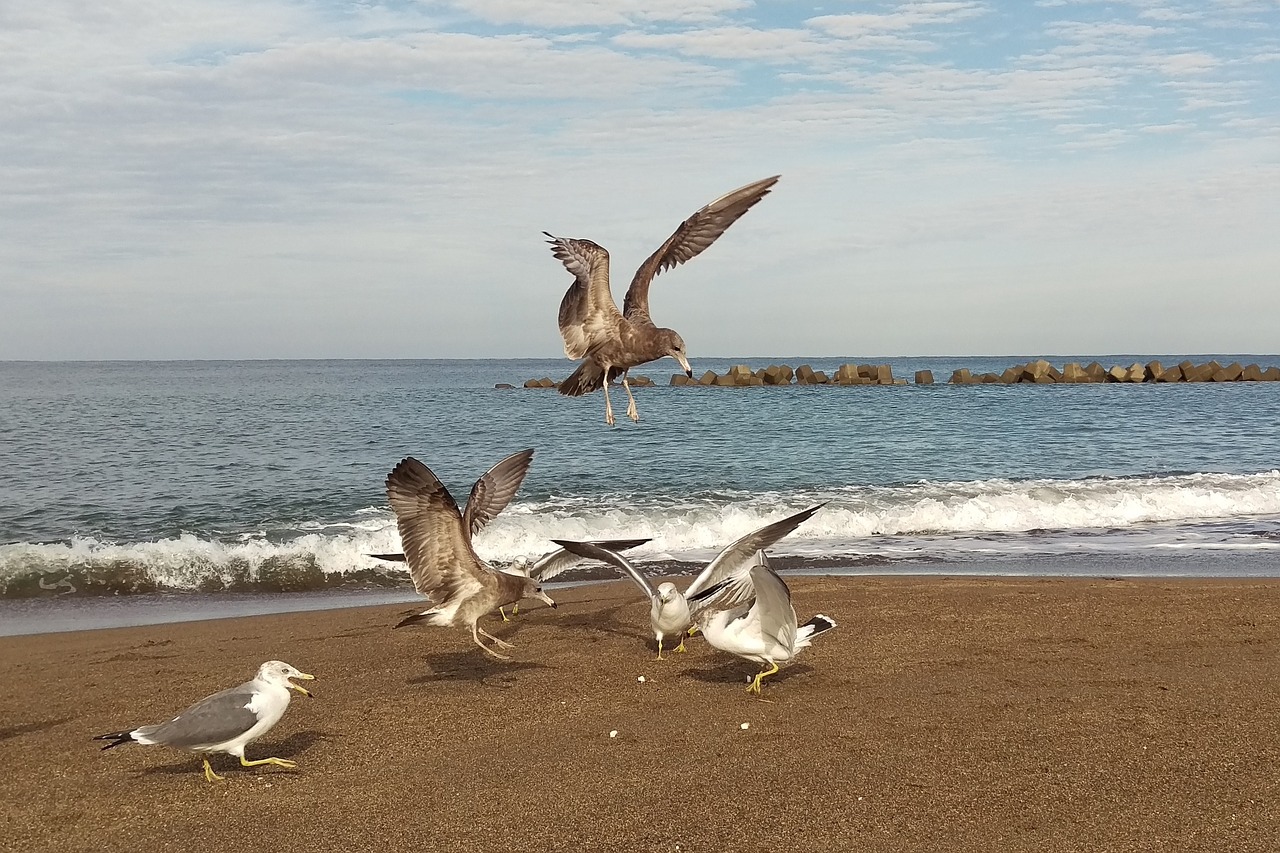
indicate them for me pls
(227, 721)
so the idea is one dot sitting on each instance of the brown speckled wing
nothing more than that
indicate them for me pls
(437, 547)
(588, 314)
(494, 490)
(693, 236)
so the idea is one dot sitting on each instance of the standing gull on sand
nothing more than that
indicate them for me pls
(671, 612)
(611, 343)
(443, 565)
(227, 721)
(764, 631)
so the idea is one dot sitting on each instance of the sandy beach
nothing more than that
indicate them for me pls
(942, 714)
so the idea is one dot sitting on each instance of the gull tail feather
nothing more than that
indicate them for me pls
(587, 378)
(117, 738)
(435, 617)
(819, 624)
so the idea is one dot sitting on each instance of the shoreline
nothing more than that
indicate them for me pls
(965, 713)
(62, 614)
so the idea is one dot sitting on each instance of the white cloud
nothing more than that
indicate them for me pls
(274, 178)
(593, 13)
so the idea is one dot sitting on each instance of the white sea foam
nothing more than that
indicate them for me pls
(989, 517)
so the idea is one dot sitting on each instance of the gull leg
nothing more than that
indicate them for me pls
(502, 644)
(504, 614)
(515, 609)
(660, 657)
(631, 404)
(761, 676)
(608, 409)
(209, 774)
(680, 648)
(475, 628)
(279, 762)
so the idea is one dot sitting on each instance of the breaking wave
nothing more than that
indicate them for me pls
(925, 521)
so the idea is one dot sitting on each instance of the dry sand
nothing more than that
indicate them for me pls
(943, 714)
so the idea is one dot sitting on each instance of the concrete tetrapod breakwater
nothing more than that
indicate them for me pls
(1038, 372)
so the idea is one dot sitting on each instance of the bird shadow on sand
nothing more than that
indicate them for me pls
(30, 728)
(741, 672)
(604, 621)
(475, 666)
(289, 748)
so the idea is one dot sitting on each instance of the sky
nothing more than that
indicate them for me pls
(272, 179)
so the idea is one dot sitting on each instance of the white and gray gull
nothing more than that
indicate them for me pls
(672, 612)
(227, 721)
(750, 615)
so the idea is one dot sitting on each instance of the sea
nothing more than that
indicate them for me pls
(136, 492)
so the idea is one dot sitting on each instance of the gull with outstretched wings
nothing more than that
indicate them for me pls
(436, 536)
(610, 342)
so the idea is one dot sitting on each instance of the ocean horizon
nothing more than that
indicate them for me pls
(265, 477)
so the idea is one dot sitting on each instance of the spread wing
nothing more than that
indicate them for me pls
(693, 236)
(595, 552)
(562, 560)
(494, 490)
(437, 546)
(773, 606)
(739, 556)
(588, 314)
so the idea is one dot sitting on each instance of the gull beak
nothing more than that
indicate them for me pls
(684, 362)
(304, 691)
(546, 598)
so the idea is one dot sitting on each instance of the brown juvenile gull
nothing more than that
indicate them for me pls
(546, 567)
(671, 612)
(227, 721)
(443, 565)
(489, 495)
(611, 343)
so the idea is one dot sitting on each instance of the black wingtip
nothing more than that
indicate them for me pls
(118, 738)
(390, 558)
(709, 591)
(820, 624)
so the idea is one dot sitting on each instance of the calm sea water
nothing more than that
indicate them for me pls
(268, 475)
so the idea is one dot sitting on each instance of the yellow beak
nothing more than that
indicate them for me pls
(304, 691)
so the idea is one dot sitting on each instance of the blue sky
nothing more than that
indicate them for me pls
(255, 178)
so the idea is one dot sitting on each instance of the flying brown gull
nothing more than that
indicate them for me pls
(611, 343)
(437, 548)
(671, 612)
(227, 721)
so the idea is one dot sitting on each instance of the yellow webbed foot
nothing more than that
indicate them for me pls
(279, 762)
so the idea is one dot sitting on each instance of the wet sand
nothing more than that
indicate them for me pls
(971, 714)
